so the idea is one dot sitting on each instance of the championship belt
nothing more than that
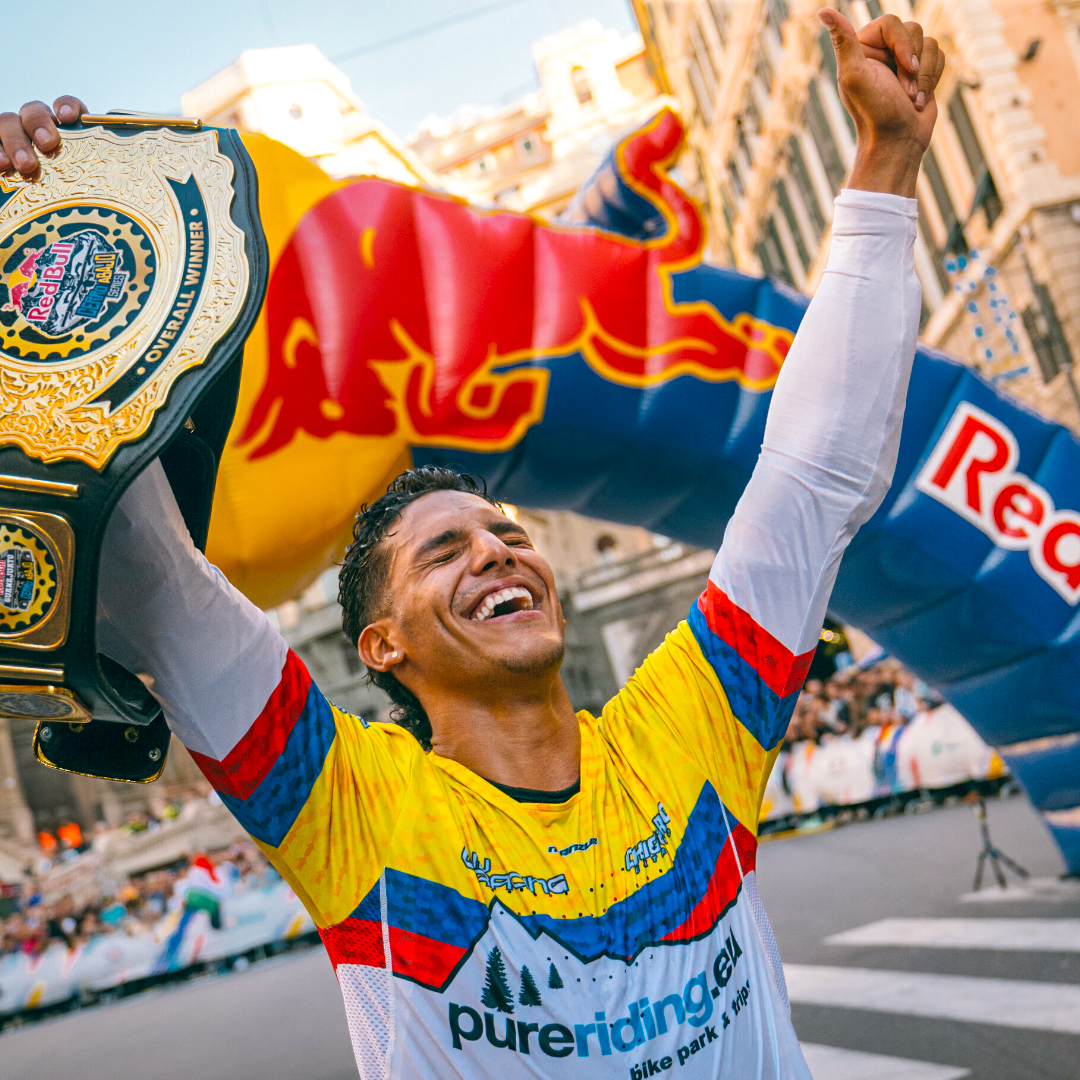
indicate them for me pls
(132, 268)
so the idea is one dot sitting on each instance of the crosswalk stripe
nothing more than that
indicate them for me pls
(1032, 935)
(1003, 1002)
(833, 1063)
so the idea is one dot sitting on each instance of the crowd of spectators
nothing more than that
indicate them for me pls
(879, 695)
(131, 906)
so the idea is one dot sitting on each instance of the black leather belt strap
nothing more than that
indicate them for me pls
(94, 288)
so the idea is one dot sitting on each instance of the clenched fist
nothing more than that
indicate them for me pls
(887, 74)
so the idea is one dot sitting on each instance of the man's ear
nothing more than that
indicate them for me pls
(378, 646)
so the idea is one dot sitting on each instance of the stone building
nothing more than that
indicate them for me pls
(769, 145)
(33, 797)
(535, 153)
(295, 95)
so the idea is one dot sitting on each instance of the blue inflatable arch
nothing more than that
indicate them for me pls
(969, 573)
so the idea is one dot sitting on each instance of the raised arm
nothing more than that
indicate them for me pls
(206, 652)
(833, 430)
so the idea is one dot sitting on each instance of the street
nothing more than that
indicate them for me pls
(936, 992)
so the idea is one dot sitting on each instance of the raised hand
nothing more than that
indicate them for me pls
(34, 126)
(887, 73)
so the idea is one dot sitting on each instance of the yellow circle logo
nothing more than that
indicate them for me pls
(28, 580)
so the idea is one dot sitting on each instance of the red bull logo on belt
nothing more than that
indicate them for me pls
(396, 311)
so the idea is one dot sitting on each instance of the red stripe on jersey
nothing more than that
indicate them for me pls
(776, 665)
(354, 941)
(245, 766)
(723, 886)
(424, 959)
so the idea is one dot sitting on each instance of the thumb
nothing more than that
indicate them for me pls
(845, 42)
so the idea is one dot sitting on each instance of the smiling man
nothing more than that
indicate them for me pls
(507, 888)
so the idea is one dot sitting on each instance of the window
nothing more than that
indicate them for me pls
(700, 91)
(784, 203)
(954, 239)
(776, 12)
(527, 145)
(718, 10)
(581, 85)
(814, 115)
(799, 173)
(740, 129)
(727, 208)
(763, 70)
(986, 193)
(936, 253)
(702, 73)
(771, 253)
(736, 179)
(1044, 331)
(704, 58)
(751, 111)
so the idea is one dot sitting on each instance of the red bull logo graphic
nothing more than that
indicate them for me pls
(395, 311)
(67, 283)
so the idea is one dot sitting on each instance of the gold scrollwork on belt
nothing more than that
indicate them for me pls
(120, 268)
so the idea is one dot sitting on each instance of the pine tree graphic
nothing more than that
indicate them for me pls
(554, 980)
(529, 995)
(496, 993)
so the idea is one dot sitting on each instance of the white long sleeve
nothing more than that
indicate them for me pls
(833, 430)
(209, 656)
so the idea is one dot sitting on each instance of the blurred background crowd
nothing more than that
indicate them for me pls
(69, 896)
(874, 736)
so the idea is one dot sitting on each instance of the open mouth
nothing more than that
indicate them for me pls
(503, 602)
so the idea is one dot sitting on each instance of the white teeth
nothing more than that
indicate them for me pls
(492, 601)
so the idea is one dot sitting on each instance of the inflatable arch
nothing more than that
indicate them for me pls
(597, 364)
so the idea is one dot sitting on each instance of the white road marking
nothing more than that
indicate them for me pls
(832, 1063)
(1030, 935)
(1002, 1002)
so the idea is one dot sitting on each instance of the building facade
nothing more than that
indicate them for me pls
(34, 798)
(297, 96)
(534, 153)
(769, 145)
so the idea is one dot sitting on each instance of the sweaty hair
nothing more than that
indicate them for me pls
(362, 579)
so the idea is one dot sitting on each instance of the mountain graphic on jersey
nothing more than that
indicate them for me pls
(700, 1003)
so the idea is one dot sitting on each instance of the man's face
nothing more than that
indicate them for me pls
(471, 602)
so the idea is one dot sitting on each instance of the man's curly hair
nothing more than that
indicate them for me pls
(362, 579)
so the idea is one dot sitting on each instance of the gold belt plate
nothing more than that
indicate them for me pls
(120, 269)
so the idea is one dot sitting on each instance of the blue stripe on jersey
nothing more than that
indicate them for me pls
(370, 907)
(269, 811)
(656, 909)
(757, 707)
(436, 911)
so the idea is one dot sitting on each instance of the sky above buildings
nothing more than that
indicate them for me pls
(135, 55)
